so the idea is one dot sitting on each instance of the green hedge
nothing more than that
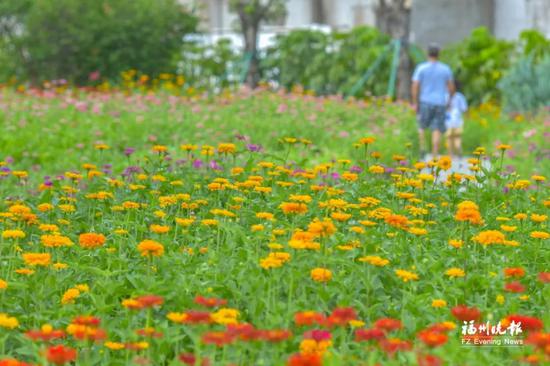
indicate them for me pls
(72, 38)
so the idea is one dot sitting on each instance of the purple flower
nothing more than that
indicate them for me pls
(335, 175)
(214, 165)
(132, 169)
(254, 147)
(197, 164)
(505, 189)
(129, 151)
(389, 170)
(355, 169)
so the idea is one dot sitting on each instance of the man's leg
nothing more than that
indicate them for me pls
(450, 143)
(422, 142)
(436, 138)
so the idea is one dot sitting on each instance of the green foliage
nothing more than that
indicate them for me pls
(534, 43)
(479, 62)
(71, 38)
(328, 63)
(209, 67)
(526, 87)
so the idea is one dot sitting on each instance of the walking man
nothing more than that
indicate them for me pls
(432, 87)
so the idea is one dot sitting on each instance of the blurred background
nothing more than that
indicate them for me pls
(354, 48)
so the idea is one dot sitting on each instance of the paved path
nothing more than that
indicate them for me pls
(459, 165)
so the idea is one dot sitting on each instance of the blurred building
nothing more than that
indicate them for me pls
(442, 21)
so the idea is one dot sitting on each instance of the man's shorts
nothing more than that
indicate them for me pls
(432, 117)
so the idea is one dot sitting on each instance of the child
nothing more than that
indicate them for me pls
(455, 123)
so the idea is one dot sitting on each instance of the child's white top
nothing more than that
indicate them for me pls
(457, 107)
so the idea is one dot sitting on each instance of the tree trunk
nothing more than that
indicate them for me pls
(251, 50)
(393, 18)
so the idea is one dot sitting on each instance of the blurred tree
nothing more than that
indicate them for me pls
(72, 38)
(251, 14)
(393, 18)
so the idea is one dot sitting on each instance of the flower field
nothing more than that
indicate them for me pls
(265, 229)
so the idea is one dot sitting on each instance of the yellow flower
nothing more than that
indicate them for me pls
(321, 274)
(115, 346)
(455, 272)
(176, 317)
(374, 260)
(7, 321)
(456, 243)
(70, 296)
(225, 316)
(438, 303)
(258, 227)
(444, 163)
(406, 276)
(500, 299)
(538, 218)
(503, 147)
(3, 285)
(55, 240)
(539, 235)
(490, 237)
(159, 229)
(13, 234)
(376, 169)
(43, 207)
(185, 222)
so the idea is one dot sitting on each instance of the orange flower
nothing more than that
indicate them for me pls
(517, 272)
(37, 259)
(91, 240)
(150, 248)
(321, 274)
(399, 221)
(293, 207)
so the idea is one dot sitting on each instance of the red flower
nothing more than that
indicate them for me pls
(149, 332)
(428, 360)
(464, 313)
(544, 277)
(432, 339)
(45, 334)
(305, 360)
(210, 302)
(276, 335)
(191, 360)
(13, 362)
(244, 332)
(392, 345)
(341, 316)
(87, 320)
(149, 301)
(368, 334)
(60, 355)
(514, 286)
(388, 324)
(197, 317)
(218, 338)
(528, 323)
(539, 340)
(318, 335)
(309, 318)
